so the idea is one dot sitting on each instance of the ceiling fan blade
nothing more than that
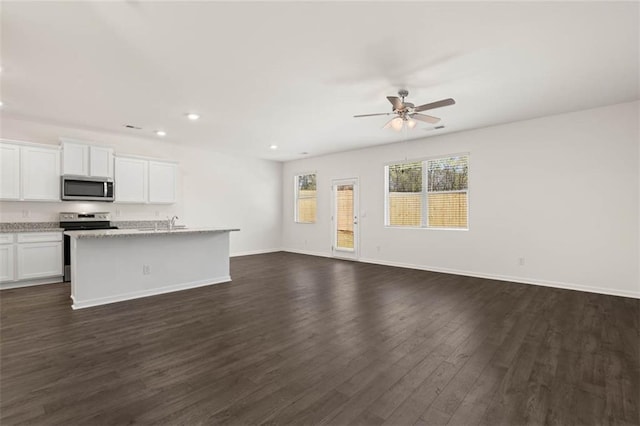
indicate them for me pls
(396, 102)
(437, 104)
(426, 118)
(386, 126)
(371, 115)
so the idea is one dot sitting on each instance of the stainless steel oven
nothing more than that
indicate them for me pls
(83, 188)
(76, 221)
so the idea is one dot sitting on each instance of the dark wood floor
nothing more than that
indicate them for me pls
(306, 340)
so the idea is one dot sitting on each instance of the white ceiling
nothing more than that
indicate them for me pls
(294, 74)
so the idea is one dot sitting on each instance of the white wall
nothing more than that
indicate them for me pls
(560, 191)
(214, 189)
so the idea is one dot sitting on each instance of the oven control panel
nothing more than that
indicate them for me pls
(88, 217)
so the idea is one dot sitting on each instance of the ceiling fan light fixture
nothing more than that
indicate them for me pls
(411, 123)
(397, 123)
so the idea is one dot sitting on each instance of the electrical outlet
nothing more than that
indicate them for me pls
(25, 213)
(378, 249)
(521, 261)
(157, 213)
(117, 212)
(146, 269)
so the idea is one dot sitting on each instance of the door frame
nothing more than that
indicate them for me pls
(346, 253)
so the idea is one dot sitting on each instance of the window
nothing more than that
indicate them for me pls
(432, 193)
(306, 198)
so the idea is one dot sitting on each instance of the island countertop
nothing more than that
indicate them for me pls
(109, 233)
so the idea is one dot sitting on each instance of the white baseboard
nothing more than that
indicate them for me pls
(29, 283)
(308, 252)
(252, 252)
(146, 293)
(521, 280)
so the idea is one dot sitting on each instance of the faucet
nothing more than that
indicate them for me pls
(171, 222)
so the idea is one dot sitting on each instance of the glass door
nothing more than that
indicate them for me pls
(345, 218)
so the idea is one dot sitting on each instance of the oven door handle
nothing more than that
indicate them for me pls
(104, 193)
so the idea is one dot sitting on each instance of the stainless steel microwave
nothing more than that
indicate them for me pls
(83, 188)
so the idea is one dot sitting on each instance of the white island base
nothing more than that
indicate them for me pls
(114, 265)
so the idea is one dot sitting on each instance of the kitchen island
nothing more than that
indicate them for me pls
(120, 264)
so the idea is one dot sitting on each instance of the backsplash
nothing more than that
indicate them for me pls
(27, 226)
(47, 226)
(25, 211)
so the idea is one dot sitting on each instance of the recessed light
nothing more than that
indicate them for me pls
(193, 116)
(273, 146)
(161, 133)
(0, 103)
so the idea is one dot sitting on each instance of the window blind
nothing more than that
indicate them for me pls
(306, 198)
(447, 192)
(405, 194)
(437, 186)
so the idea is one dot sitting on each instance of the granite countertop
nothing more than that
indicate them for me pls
(11, 227)
(109, 233)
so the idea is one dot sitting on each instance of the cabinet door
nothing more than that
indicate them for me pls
(100, 162)
(162, 182)
(9, 172)
(75, 159)
(6, 262)
(40, 174)
(39, 260)
(131, 180)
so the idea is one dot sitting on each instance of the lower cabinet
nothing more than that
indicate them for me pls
(7, 262)
(31, 256)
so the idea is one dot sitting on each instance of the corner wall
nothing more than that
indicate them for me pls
(214, 189)
(562, 192)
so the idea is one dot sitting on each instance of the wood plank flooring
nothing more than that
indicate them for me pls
(305, 340)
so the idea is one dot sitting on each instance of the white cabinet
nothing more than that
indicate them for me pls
(6, 257)
(39, 260)
(131, 180)
(29, 172)
(40, 169)
(138, 180)
(75, 159)
(100, 161)
(9, 172)
(162, 182)
(31, 256)
(86, 160)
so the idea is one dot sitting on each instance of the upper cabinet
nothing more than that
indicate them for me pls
(131, 181)
(29, 172)
(75, 159)
(86, 160)
(100, 161)
(138, 180)
(40, 174)
(162, 182)
(9, 172)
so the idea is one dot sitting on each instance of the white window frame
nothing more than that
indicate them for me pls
(296, 197)
(425, 193)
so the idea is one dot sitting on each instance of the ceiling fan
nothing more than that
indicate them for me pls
(407, 113)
